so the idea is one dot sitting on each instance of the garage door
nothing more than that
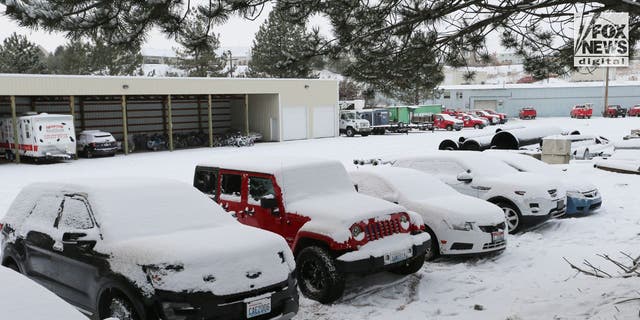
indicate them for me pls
(294, 123)
(485, 104)
(324, 122)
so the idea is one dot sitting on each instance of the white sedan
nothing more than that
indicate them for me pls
(458, 224)
(21, 298)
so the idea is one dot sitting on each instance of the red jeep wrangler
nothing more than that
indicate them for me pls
(581, 111)
(331, 228)
(634, 111)
(527, 113)
(614, 111)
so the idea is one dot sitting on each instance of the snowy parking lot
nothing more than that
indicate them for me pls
(529, 280)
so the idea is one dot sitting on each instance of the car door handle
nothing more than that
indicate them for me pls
(250, 211)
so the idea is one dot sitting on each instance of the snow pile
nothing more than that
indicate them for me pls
(390, 244)
(22, 298)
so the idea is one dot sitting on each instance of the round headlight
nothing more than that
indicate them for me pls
(404, 222)
(356, 233)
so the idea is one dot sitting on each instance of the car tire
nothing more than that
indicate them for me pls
(476, 126)
(588, 117)
(434, 251)
(410, 266)
(449, 128)
(350, 132)
(118, 305)
(364, 134)
(512, 215)
(318, 277)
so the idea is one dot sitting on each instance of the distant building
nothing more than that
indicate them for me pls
(509, 58)
(549, 99)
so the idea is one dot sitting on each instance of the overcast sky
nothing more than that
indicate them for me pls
(237, 33)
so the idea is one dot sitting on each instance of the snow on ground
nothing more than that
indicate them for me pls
(530, 280)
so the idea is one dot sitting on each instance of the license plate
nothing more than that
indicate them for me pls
(258, 307)
(397, 256)
(497, 236)
(560, 204)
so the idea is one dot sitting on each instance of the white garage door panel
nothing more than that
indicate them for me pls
(485, 104)
(294, 123)
(324, 122)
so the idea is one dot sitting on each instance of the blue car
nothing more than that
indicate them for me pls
(582, 202)
(582, 196)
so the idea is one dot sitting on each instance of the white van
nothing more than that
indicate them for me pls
(40, 136)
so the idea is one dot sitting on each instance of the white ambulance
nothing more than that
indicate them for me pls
(40, 137)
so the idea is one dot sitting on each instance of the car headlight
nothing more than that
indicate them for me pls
(357, 233)
(464, 226)
(404, 222)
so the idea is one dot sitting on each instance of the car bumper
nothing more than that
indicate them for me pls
(472, 242)
(201, 305)
(582, 205)
(365, 130)
(539, 207)
(369, 259)
(103, 151)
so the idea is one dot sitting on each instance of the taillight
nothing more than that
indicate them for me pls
(1, 225)
(93, 144)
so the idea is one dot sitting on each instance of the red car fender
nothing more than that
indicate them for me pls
(319, 237)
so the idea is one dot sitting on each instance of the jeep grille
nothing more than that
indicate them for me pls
(380, 229)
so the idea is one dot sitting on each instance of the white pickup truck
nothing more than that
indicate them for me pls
(351, 125)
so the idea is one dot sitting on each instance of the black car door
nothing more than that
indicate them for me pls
(38, 242)
(77, 265)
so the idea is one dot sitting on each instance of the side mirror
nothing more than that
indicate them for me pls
(269, 203)
(465, 177)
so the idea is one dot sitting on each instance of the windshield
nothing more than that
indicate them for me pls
(417, 186)
(348, 116)
(490, 168)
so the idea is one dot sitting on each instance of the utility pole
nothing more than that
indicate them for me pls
(230, 63)
(606, 90)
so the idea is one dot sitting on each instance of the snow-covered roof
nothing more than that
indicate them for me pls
(540, 85)
(127, 208)
(268, 165)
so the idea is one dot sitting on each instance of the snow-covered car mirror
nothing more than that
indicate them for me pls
(465, 177)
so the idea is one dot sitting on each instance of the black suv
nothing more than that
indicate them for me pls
(133, 250)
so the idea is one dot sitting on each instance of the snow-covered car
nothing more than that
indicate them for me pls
(332, 229)
(634, 111)
(582, 196)
(96, 143)
(527, 199)
(21, 298)
(458, 224)
(147, 249)
(503, 116)
(492, 118)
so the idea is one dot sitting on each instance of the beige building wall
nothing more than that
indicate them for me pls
(306, 93)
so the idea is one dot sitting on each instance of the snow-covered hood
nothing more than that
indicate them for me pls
(333, 215)
(459, 209)
(225, 260)
(533, 184)
(577, 184)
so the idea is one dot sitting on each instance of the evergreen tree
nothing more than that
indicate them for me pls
(283, 49)
(197, 55)
(95, 57)
(19, 55)
(115, 60)
(72, 58)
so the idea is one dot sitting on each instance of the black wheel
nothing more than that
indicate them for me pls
(477, 126)
(88, 154)
(364, 134)
(458, 129)
(318, 277)
(13, 266)
(588, 117)
(410, 266)
(512, 215)
(449, 127)
(434, 250)
(350, 132)
(9, 155)
(117, 305)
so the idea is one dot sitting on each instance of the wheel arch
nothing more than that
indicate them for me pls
(115, 283)
(498, 199)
